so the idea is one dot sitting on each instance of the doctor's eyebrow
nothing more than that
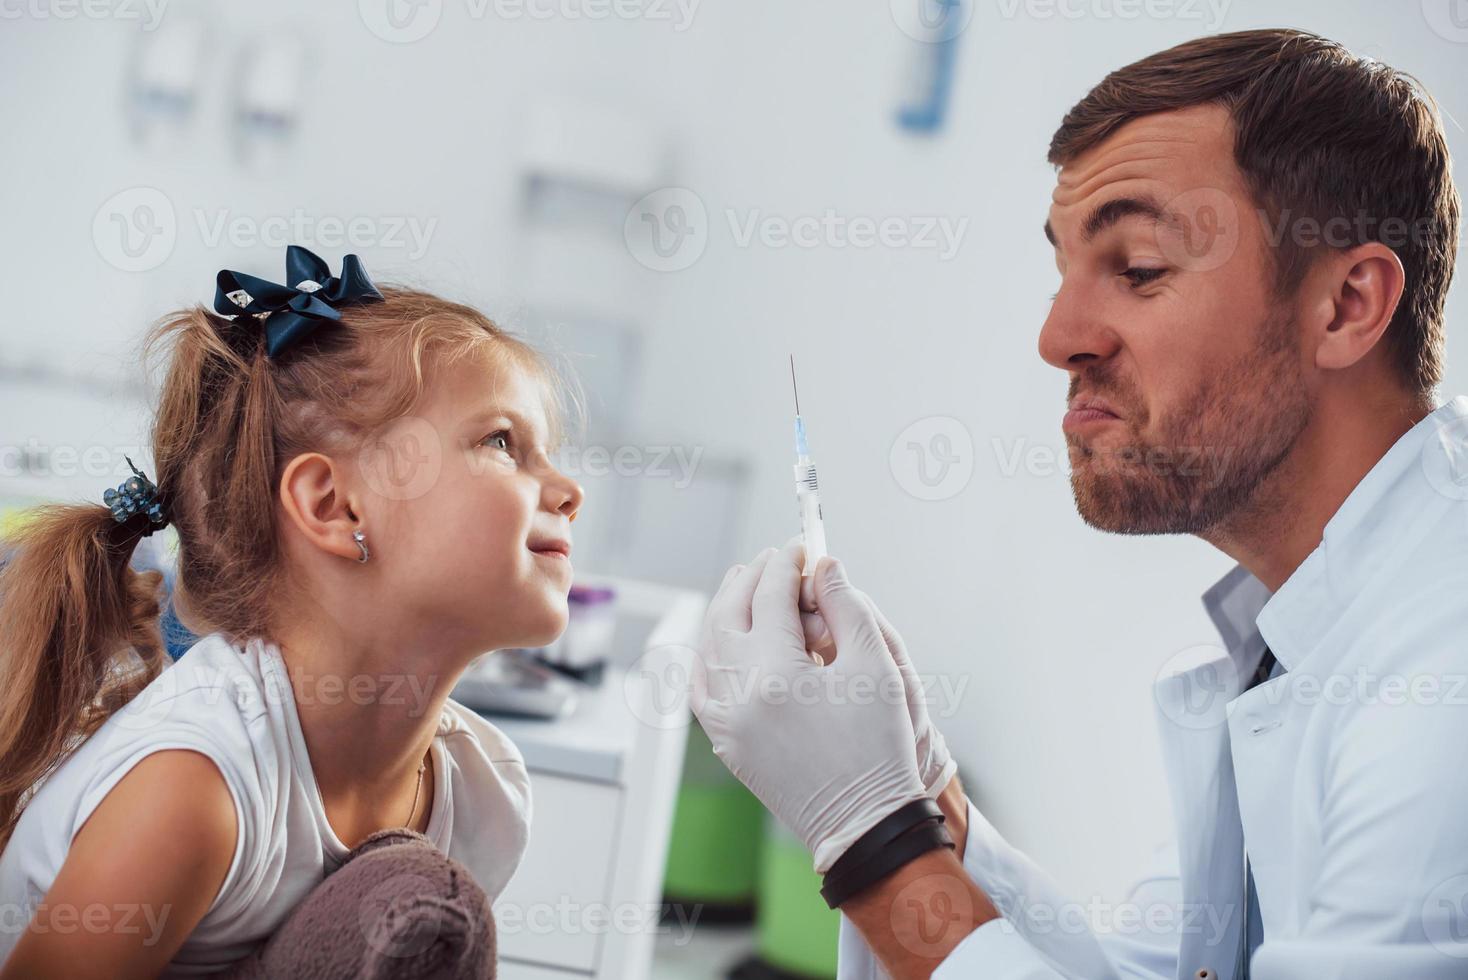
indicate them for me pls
(1114, 211)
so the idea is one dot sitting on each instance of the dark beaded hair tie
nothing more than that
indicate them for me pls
(137, 497)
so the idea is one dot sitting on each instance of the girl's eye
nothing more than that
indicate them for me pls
(1140, 277)
(498, 440)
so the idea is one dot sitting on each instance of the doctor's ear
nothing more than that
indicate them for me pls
(1355, 295)
(317, 504)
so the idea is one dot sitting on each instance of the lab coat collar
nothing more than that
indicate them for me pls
(1393, 506)
(1395, 497)
(1234, 603)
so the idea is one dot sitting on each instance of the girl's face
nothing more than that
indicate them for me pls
(477, 536)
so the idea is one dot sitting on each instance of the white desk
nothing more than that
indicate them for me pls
(585, 900)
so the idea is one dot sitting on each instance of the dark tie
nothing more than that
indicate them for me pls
(1253, 923)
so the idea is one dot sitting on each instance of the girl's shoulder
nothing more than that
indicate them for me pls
(213, 700)
(213, 677)
(210, 701)
(490, 803)
(492, 766)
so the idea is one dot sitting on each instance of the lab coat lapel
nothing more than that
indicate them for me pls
(1192, 698)
(1264, 742)
(1200, 777)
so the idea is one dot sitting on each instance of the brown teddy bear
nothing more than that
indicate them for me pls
(397, 907)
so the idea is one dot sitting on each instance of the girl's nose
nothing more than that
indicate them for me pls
(563, 494)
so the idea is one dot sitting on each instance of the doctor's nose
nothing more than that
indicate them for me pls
(1073, 337)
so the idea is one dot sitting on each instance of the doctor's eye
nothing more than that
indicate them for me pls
(497, 440)
(1139, 277)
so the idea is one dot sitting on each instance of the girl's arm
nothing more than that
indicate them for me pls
(139, 876)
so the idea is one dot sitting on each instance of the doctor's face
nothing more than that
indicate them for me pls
(1185, 368)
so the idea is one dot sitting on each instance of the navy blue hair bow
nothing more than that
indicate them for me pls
(311, 296)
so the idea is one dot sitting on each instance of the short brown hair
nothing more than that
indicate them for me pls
(1320, 134)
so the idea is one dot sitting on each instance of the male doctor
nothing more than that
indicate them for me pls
(1255, 234)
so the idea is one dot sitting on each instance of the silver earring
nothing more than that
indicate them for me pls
(361, 540)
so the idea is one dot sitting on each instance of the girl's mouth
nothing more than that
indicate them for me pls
(556, 549)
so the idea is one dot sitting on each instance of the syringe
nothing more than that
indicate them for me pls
(807, 492)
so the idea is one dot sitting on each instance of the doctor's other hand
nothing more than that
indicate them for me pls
(936, 765)
(827, 749)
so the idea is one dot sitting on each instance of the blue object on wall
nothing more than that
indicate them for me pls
(930, 85)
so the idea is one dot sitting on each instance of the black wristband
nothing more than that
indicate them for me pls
(884, 832)
(927, 836)
(903, 835)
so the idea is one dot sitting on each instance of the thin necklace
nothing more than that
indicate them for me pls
(422, 764)
(417, 790)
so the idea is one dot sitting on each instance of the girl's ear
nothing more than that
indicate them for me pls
(316, 504)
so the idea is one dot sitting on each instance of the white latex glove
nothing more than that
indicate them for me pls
(827, 749)
(935, 765)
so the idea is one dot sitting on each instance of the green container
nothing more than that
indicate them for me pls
(713, 855)
(796, 932)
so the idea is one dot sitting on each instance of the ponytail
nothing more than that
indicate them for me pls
(79, 638)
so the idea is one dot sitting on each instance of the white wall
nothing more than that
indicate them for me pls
(786, 108)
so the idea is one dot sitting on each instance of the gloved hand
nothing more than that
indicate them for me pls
(935, 765)
(827, 749)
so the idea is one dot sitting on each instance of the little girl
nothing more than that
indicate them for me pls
(364, 503)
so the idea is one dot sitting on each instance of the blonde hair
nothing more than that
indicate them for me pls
(79, 629)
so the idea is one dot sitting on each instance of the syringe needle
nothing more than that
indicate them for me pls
(792, 384)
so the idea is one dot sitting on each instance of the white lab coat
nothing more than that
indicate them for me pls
(1349, 771)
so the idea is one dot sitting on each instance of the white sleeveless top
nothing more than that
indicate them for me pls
(234, 704)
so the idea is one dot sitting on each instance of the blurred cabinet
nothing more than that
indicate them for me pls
(552, 910)
(585, 900)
